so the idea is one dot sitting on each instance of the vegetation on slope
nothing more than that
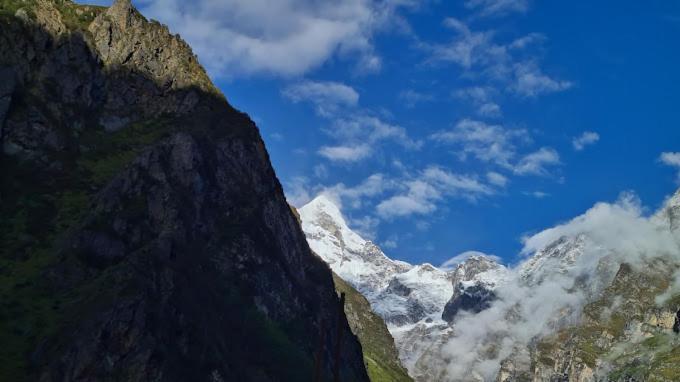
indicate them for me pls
(380, 354)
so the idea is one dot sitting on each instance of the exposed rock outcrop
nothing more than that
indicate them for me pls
(144, 233)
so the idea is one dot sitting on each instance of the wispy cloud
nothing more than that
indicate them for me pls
(530, 81)
(671, 159)
(420, 195)
(411, 97)
(345, 153)
(510, 65)
(537, 194)
(537, 163)
(358, 136)
(485, 142)
(327, 96)
(482, 98)
(585, 139)
(496, 179)
(498, 7)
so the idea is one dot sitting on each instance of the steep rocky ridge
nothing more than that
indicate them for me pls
(380, 354)
(144, 233)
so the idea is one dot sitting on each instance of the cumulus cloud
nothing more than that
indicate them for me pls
(601, 239)
(328, 97)
(671, 159)
(585, 139)
(285, 37)
(537, 162)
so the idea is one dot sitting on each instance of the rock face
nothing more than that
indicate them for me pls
(380, 354)
(474, 282)
(144, 233)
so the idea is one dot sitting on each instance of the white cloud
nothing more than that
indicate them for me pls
(366, 226)
(284, 37)
(530, 81)
(671, 159)
(328, 97)
(469, 48)
(496, 179)
(411, 97)
(509, 64)
(537, 194)
(321, 171)
(477, 94)
(390, 243)
(297, 191)
(528, 40)
(537, 162)
(606, 236)
(358, 136)
(489, 109)
(372, 186)
(481, 97)
(487, 143)
(585, 139)
(498, 7)
(404, 205)
(419, 195)
(345, 153)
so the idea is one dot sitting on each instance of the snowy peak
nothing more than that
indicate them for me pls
(355, 259)
(473, 283)
(479, 269)
(557, 257)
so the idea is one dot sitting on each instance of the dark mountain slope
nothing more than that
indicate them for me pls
(143, 232)
(380, 353)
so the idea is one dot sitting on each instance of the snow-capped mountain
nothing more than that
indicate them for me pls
(474, 282)
(410, 298)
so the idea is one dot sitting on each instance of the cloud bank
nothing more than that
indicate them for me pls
(618, 232)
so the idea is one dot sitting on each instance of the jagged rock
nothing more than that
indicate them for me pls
(161, 248)
(474, 282)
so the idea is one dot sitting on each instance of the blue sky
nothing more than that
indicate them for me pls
(448, 126)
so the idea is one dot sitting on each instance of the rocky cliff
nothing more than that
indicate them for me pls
(144, 235)
(380, 354)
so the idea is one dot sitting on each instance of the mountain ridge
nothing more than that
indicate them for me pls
(145, 235)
